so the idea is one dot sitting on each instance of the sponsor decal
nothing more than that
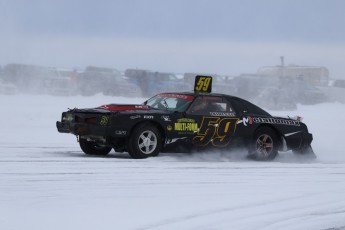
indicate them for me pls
(148, 117)
(141, 107)
(222, 114)
(212, 98)
(135, 117)
(276, 121)
(216, 130)
(120, 132)
(169, 127)
(246, 120)
(186, 125)
(172, 95)
(186, 120)
(104, 120)
(269, 120)
(116, 107)
(166, 118)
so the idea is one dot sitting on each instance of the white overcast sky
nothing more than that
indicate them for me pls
(214, 36)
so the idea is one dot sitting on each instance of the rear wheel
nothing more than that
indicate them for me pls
(93, 148)
(145, 141)
(265, 145)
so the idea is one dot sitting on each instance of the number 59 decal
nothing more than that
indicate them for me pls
(203, 84)
(215, 130)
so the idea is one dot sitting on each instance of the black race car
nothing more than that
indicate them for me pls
(188, 120)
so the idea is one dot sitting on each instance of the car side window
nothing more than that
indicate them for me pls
(246, 107)
(222, 108)
(213, 106)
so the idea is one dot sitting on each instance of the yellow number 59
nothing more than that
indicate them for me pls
(203, 84)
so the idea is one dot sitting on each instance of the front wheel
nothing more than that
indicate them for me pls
(93, 148)
(145, 141)
(265, 145)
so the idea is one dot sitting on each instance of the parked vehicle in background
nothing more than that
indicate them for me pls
(314, 75)
(121, 86)
(153, 82)
(339, 83)
(59, 86)
(64, 84)
(29, 78)
(141, 78)
(94, 79)
(277, 93)
(168, 82)
(7, 88)
(107, 81)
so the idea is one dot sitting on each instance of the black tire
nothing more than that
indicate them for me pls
(265, 145)
(92, 148)
(145, 141)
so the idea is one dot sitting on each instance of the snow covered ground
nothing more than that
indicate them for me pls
(47, 183)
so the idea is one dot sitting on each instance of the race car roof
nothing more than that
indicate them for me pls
(201, 94)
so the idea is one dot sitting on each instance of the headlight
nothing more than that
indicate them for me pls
(67, 117)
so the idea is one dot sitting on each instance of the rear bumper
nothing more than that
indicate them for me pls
(298, 140)
(307, 138)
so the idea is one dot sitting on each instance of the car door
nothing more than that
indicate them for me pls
(214, 120)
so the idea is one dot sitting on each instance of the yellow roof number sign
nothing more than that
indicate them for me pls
(203, 84)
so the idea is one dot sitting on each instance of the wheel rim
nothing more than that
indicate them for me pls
(147, 142)
(264, 145)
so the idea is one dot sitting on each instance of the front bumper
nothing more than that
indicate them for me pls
(63, 127)
(82, 129)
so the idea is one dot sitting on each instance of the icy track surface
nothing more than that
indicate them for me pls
(47, 183)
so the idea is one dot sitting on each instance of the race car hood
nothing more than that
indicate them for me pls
(121, 107)
(111, 108)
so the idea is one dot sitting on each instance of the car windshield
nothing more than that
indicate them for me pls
(170, 102)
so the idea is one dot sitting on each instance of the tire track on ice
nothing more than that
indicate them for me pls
(273, 216)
